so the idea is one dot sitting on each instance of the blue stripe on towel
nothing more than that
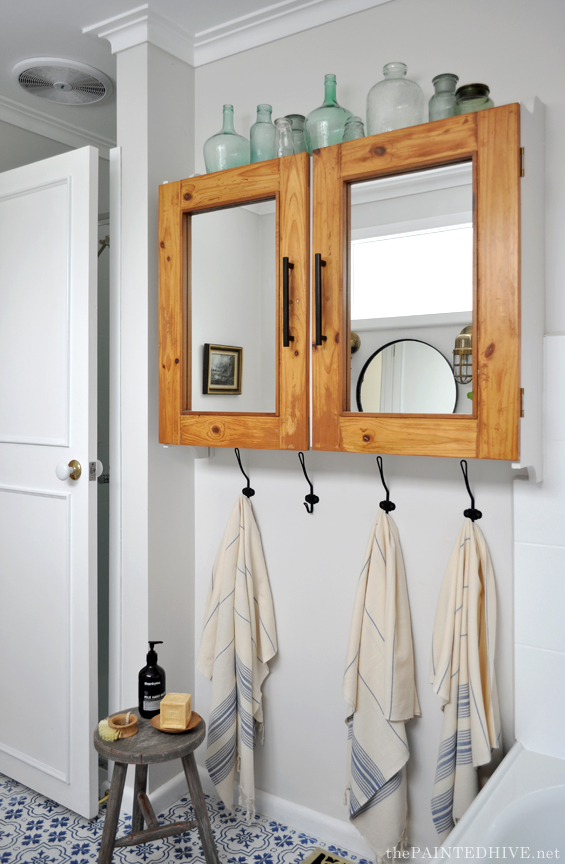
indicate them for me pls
(365, 773)
(463, 703)
(222, 763)
(442, 811)
(384, 792)
(446, 758)
(222, 718)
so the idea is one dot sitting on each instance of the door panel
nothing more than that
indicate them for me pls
(48, 225)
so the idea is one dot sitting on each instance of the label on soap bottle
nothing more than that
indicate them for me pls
(152, 703)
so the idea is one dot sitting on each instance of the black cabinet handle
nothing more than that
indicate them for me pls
(287, 338)
(319, 263)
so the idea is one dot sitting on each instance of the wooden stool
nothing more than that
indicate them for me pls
(147, 747)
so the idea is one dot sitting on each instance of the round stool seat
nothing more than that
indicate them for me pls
(149, 745)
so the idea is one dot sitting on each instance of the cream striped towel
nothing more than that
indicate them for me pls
(462, 674)
(238, 640)
(380, 689)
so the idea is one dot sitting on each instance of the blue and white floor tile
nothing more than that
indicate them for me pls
(35, 830)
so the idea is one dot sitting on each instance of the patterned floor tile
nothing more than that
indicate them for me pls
(36, 830)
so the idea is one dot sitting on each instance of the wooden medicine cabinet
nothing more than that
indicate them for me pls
(480, 151)
(222, 287)
(234, 307)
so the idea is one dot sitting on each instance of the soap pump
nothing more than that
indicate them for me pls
(152, 686)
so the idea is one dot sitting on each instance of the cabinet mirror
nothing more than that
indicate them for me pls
(410, 282)
(234, 307)
(232, 258)
(416, 238)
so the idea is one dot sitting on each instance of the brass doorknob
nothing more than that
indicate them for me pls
(72, 471)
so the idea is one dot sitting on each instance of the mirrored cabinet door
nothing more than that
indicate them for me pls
(416, 324)
(234, 307)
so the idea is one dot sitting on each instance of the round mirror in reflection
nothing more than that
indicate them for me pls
(407, 377)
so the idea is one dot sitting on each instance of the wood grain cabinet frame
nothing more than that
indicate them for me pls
(287, 181)
(490, 139)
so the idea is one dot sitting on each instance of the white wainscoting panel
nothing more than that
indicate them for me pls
(35, 646)
(34, 291)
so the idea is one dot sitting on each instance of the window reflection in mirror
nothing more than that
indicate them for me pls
(233, 305)
(411, 278)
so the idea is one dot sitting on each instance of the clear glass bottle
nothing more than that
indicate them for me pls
(297, 122)
(442, 103)
(353, 129)
(226, 149)
(262, 135)
(284, 140)
(325, 125)
(395, 102)
(472, 97)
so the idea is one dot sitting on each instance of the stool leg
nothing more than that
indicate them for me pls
(199, 802)
(112, 813)
(140, 785)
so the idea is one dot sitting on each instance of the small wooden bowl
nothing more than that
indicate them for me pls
(126, 730)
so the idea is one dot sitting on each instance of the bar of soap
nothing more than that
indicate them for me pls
(176, 710)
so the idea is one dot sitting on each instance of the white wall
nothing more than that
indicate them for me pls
(516, 47)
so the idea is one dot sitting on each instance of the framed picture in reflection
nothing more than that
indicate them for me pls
(223, 366)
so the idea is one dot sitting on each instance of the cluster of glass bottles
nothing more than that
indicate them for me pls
(394, 103)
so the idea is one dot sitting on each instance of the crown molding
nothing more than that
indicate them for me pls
(50, 127)
(270, 23)
(143, 25)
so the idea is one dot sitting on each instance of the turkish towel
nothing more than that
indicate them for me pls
(238, 640)
(380, 689)
(462, 675)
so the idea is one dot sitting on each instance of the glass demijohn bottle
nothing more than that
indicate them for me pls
(442, 103)
(262, 135)
(395, 102)
(226, 149)
(325, 125)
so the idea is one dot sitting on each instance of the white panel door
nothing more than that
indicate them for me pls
(48, 239)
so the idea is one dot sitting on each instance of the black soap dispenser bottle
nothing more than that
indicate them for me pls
(152, 686)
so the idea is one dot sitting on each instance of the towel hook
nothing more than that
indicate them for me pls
(248, 491)
(310, 499)
(471, 513)
(387, 505)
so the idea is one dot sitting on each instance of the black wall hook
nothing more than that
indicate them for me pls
(471, 513)
(310, 499)
(387, 505)
(248, 491)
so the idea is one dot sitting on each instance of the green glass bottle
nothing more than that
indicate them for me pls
(226, 149)
(325, 125)
(262, 135)
(472, 97)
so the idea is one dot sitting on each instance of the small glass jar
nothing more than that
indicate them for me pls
(353, 129)
(262, 135)
(226, 149)
(325, 125)
(442, 103)
(297, 122)
(284, 140)
(395, 102)
(472, 97)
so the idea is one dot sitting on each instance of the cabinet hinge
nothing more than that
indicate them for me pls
(521, 401)
(522, 163)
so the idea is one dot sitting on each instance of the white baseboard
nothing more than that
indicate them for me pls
(325, 828)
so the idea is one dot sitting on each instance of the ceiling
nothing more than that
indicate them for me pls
(199, 31)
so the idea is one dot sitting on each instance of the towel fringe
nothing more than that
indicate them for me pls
(395, 851)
